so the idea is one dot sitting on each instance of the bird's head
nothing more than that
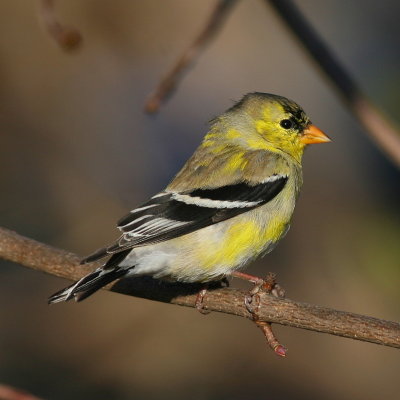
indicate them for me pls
(271, 122)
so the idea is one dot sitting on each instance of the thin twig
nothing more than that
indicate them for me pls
(272, 341)
(32, 254)
(66, 37)
(384, 133)
(171, 79)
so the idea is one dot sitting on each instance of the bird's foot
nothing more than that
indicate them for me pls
(199, 303)
(267, 285)
(252, 302)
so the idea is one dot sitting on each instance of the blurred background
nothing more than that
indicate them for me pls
(77, 152)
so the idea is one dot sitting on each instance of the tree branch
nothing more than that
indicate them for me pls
(384, 133)
(10, 393)
(173, 76)
(41, 257)
(66, 37)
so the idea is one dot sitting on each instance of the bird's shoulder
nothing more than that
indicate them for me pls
(229, 166)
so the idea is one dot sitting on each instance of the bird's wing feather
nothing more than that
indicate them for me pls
(172, 214)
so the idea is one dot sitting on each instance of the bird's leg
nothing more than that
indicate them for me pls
(199, 303)
(269, 286)
(252, 295)
(246, 277)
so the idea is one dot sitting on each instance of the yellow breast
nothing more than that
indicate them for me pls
(244, 239)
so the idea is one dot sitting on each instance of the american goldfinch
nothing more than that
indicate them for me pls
(231, 202)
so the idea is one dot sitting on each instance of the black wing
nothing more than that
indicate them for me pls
(169, 214)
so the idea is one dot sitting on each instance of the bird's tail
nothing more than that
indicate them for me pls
(88, 284)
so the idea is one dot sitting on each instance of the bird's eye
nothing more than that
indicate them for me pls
(286, 123)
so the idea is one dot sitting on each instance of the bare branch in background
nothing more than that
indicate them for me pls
(383, 132)
(41, 257)
(11, 393)
(173, 77)
(66, 37)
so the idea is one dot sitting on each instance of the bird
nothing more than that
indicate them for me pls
(230, 203)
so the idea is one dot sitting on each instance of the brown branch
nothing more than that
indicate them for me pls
(171, 79)
(11, 393)
(66, 37)
(41, 257)
(384, 133)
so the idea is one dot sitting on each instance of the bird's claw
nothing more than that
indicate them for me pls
(267, 285)
(252, 301)
(199, 304)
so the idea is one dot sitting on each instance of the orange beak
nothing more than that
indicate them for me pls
(314, 135)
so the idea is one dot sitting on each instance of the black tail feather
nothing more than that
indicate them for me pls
(94, 281)
(97, 255)
(92, 287)
(88, 285)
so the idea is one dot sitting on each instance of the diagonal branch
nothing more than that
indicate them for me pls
(11, 393)
(172, 77)
(41, 257)
(384, 133)
(66, 37)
